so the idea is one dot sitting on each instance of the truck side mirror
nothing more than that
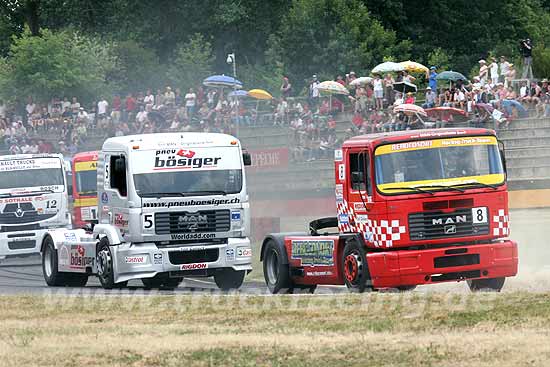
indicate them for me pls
(247, 160)
(502, 154)
(120, 165)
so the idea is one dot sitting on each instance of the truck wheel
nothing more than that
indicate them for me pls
(276, 274)
(52, 276)
(105, 266)
(355, 268)
(228, 278)
(492, 284)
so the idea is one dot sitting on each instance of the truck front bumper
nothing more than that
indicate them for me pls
(414, 267)
(21, 242)
(145, 260)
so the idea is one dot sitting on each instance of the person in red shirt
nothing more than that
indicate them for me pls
(410, 98)
(130, 107)
(115, 113)
(357, 120)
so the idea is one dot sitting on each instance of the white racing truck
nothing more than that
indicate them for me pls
(170, 206)
(33, 198)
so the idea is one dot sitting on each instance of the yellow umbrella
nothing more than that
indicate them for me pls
(414, 67)
(259, 94)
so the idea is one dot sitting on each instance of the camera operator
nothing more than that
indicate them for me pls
(526, 49)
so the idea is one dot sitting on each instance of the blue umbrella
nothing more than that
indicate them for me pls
(222, 81)
(238, 93)
(450, 76)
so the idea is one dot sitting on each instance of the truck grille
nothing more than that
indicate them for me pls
(193, 222)
(22, 213)
(28, 227)
(436, 224)
(21, 245)
(190, 257)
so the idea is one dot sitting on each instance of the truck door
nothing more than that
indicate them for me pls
(364, 213)
(114, 199)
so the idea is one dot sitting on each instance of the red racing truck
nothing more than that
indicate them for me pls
(84, 168)
(413, 207)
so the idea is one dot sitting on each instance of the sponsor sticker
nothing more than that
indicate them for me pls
(313, 252)
(318, 273)
(70, 236)
(104, 197)
(338, 155)
(197, 266)
(359, 207)
(78, 258)
(235, 215)
(136, 259)
(339, 191)
(343, 219)
(230, 254)
(342, 172)
(244, 252)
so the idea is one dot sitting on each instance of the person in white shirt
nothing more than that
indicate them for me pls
(190, 102)
(483, 72)
(494, 71)
(504, 68)
(2, 110)
(141, 116)
(30, 107)
(82, 116)
(378, 92)
(149, 100)
(102, 106)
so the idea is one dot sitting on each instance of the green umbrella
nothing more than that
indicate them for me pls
(452, 76)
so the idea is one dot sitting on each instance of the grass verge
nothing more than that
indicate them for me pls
(412, 329)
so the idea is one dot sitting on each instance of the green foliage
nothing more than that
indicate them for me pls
(541, 62)
(138, 67)
(192, 63)
(439, 58)
(332, 37)
(56, 64)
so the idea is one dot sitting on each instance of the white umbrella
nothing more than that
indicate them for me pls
(387, 67)
(361, 81)
(331, 87)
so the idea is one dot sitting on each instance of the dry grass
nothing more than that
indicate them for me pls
(378, 329)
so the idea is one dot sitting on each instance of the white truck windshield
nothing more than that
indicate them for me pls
(34, 172)
(438, 164)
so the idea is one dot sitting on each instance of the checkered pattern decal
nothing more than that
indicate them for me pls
(380, 233)
(501, 224)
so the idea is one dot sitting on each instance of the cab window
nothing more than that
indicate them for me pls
(117, 172)
(359, 172)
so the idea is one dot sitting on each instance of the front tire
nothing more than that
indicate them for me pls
(52, 276)
(50, 270)
(276, 274)
(105, 268)
(228, 278)
(490, 285)
(355, 268)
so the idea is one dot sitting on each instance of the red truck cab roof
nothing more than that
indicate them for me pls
(377, 139)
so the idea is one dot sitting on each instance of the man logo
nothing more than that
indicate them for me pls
(451, 229)
(191, 222)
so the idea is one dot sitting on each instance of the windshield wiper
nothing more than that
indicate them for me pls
(206, 192)
(449, 187)
(161, 194)
(410, 188)
(482, 184)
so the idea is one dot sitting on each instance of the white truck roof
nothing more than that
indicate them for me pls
(169, 140)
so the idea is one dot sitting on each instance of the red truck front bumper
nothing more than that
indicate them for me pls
(413, 267)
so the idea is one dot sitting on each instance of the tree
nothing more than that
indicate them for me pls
(192, 62)
(56, 63)
(330, 37)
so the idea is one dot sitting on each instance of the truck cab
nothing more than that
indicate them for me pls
(84, 188)
(169, 206)
(33, 199)
(413, 207)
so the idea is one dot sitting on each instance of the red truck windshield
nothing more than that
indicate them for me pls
(437, 164)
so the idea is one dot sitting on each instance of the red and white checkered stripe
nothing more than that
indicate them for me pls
(501, 224)
(380, 233)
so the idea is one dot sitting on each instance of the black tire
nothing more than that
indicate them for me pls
(276, 274)
(228, 278)
(52, 276)
(355, 268)
(105, 266)
(490, 285)
(161, 280)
